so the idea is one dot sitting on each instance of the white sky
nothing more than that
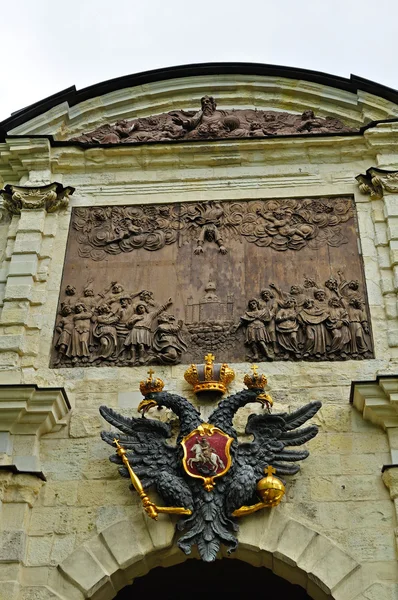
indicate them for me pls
(48, 45)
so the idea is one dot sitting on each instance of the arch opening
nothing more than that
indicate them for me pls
(193, 579)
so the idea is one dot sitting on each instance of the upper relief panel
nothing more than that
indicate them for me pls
(211, 123)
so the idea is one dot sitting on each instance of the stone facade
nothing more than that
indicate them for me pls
(81, 533)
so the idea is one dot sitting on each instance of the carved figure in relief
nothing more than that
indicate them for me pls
(206, 116)
(338, 325)
(358, 327)
(207, 218)
(105, 331)
(140, 337)
(123, 314)
(269, 302)
(257, 335)
(313, 315)
(168, 341)
(65, 329)
(287, 327)
(348, 289)
(81, 333)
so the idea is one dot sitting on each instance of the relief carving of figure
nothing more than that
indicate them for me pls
(65, 329)
(105, 332)
(313, 315)
(124, 315)
(338, 325)
(287, 327)
(207, 115)
(359, 328)
(81, 333)
(140, 337)
(168, 341)
(257, 335)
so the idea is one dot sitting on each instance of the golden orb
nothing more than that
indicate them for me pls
(270, 489)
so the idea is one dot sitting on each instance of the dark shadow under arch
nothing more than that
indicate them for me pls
(223, 579)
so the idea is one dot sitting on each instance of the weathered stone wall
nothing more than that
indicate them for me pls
(335, 531)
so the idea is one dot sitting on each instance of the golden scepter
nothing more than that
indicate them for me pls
(150, 508)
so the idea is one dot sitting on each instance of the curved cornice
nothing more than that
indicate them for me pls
(357, 99)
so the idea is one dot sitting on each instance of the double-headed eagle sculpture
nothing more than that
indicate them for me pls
(207, 477)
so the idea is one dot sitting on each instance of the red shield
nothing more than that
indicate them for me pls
(207, 453)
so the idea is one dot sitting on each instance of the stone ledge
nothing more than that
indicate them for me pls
(377, 400)
(28, 411)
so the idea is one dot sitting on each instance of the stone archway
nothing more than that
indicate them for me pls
(123, 551)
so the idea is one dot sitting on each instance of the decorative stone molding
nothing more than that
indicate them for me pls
(26, 413)
(377, 181)
(108, 562)
(50, 197)
(377, 401)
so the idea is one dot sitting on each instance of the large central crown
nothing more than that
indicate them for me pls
(209, 377)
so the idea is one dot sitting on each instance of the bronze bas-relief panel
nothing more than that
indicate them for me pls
(258, 280)
(211, 123)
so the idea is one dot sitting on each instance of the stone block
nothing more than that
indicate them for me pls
(51, 224)
(23, 264)
(14, 516)
(44, 521)
(10, 376)
(82, 568)
(9, 590)
(62, 547)
(91, 493)
(333, 418)
(68, 590)
(382, 591)
(32, 221)
(129, 399)
(15, 312)
(323, 489)
(128, 542)
(27, 243)
(332, 569)
(9, 360)
(47, 247)
(85, 424)
(39, 550)
(12, 546)
(19, 288)
(60, 493)
(293, 541)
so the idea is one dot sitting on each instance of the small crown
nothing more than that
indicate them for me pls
(255, 381)
(151, 385)
(209, 377)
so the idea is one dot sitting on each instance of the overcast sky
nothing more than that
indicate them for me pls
(48, 45)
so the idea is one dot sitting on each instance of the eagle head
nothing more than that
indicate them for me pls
(146, 404)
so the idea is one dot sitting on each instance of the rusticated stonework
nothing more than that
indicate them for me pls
(211, 123)
(260, 280)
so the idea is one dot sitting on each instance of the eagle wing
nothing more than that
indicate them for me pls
(272, 435)
(147, 450)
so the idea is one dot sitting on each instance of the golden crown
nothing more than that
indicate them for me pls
(209, 377)
(255, 381)
(258, 381)
(151, 385)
